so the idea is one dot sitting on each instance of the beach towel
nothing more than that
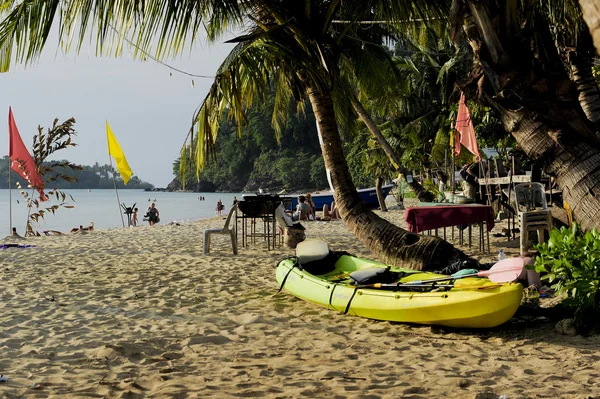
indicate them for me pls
(4, 246)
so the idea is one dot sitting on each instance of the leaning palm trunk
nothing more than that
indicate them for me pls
(391, 244)
(532, 91)
(591, 14)
(380, 196)
(580, 61)
(420, 192)
(589, 94)
(574, 163)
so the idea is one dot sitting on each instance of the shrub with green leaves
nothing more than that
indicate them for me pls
(59, 137)
(571, 259)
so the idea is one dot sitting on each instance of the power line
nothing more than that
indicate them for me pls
(336, 21)
(145, 53)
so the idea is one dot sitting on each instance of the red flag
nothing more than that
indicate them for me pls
(464, 125)
(21, 161)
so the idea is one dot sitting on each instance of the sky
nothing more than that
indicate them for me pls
(148, 105)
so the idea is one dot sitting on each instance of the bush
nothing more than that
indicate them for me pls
(572, 262)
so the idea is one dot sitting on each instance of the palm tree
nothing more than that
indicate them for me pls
(591, 14)
(416, 104)
(292, 44)
(519, 71)
(415, 186)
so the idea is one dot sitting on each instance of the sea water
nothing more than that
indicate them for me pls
(103, 208)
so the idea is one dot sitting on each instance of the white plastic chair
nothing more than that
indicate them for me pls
(533, 212)
(282, 218)
(224, 230)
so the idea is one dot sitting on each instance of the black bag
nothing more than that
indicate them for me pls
(375, 275)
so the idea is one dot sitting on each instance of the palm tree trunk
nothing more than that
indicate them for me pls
(574, 162)
(380, 197)
(591, 14)
(589, 94)
(532, 93)
(422, 194)
(580, 57)
(391, 244)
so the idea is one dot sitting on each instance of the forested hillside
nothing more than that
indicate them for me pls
(256, 161)
(95, 176)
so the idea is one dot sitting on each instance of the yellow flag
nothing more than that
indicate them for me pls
(115, 150)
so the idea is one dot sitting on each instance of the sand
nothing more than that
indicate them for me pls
(141, 312)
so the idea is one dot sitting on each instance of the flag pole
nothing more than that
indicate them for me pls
(114, 182)
(453, 172)
(9, 194)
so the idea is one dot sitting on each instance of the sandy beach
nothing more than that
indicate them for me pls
(141, 312)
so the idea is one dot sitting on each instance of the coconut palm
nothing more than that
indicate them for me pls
(416, 108)
(294, 45)
(304, 58)
(543, 102)
(591, 14)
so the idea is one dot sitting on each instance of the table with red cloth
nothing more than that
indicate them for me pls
(424, 218)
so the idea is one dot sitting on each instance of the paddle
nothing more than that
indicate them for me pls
(400, 286)
(502, 272)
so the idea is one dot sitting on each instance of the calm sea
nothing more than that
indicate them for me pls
(102, 208)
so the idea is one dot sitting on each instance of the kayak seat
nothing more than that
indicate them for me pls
(322, 266)
(311, 250)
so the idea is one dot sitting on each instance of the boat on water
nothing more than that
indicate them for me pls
(368, 195)
(331, 280)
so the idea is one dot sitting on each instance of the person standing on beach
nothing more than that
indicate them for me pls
(220, 207)
(470, 175)
(152, 215)
(235, 200)
(134, 218)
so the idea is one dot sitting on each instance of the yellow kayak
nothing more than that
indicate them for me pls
(470, 302)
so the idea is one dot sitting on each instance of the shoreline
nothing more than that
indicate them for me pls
(141, 312)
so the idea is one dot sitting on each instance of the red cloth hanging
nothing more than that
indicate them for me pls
(464, 125)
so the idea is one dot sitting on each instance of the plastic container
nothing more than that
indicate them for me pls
(501, 255)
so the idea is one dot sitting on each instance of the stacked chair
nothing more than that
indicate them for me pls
(533, 212)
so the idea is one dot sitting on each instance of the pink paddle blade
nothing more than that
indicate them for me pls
(504, 271)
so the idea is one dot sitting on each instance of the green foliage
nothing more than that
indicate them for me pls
(572, 260)
(256, 160)
(430, 186)
(367, 161)
(57, 138)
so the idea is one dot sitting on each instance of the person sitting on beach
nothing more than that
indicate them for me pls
(152, 215)
(330, 214)
(301, 209)
(312, 213)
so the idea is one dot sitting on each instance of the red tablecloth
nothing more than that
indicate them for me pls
(433, 217)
